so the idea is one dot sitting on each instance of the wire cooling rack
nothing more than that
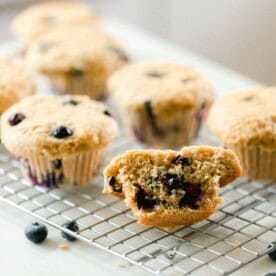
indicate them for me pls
(241, 231)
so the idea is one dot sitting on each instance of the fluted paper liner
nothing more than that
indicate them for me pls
(257, 162)
(77, 170)
(140, 127)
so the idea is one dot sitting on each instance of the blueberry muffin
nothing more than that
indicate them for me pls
(59, 140)
(162, 103)
(76, 60)
(245, 121)
(16, 83)
(169, 188)
(43, 17)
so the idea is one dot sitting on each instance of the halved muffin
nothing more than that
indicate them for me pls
(169, 188)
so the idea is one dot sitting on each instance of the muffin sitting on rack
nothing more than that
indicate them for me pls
(43, 17)
(162, 103)
(245, 121)
(59, 140)
(76, 60)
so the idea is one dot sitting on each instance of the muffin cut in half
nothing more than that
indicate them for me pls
(169, 188)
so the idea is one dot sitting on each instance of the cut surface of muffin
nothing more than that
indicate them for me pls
(169, 188)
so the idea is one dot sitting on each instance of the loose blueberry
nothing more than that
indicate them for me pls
(113, 183)
(154, 75)
(36, 232)
(69, 102)
(107, 113)
(61, 132)
(272, 254)
(270, 274)
(57, 164)
(16, 119)
(73, 226)
(143, 202)
(193, 194)
(181, 160)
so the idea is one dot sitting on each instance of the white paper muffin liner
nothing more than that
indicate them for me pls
(95, 89)
(257, 162)
(141, 128)
(74, 171)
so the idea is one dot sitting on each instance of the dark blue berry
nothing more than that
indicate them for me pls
(61, 132)
(73, 226)
(16, 119)
(57, 164)
(193, 194)
(107, 113)
(113, 183)
(181, 160)
(152, 119)
(36, 232)
(172, 181)
(143, 200)
(272, 254)
(270, 274)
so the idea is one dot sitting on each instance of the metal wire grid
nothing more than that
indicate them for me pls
(239, 232)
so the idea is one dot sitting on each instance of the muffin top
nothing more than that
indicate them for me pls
(56, 126)
(159, 81)
(246, 118)
(75, 48)
(43, 17)
(15, 83)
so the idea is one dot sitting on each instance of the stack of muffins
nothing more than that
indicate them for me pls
(59, 140)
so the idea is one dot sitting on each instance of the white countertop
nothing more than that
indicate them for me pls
(18, 256)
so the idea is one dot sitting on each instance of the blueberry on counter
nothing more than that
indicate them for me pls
(272, 254)
(73, 226)
(36, 232)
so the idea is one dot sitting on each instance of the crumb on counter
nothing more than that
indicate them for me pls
(63, 246)
(120, 265)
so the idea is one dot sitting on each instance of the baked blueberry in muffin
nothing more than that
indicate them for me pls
(168, 188)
